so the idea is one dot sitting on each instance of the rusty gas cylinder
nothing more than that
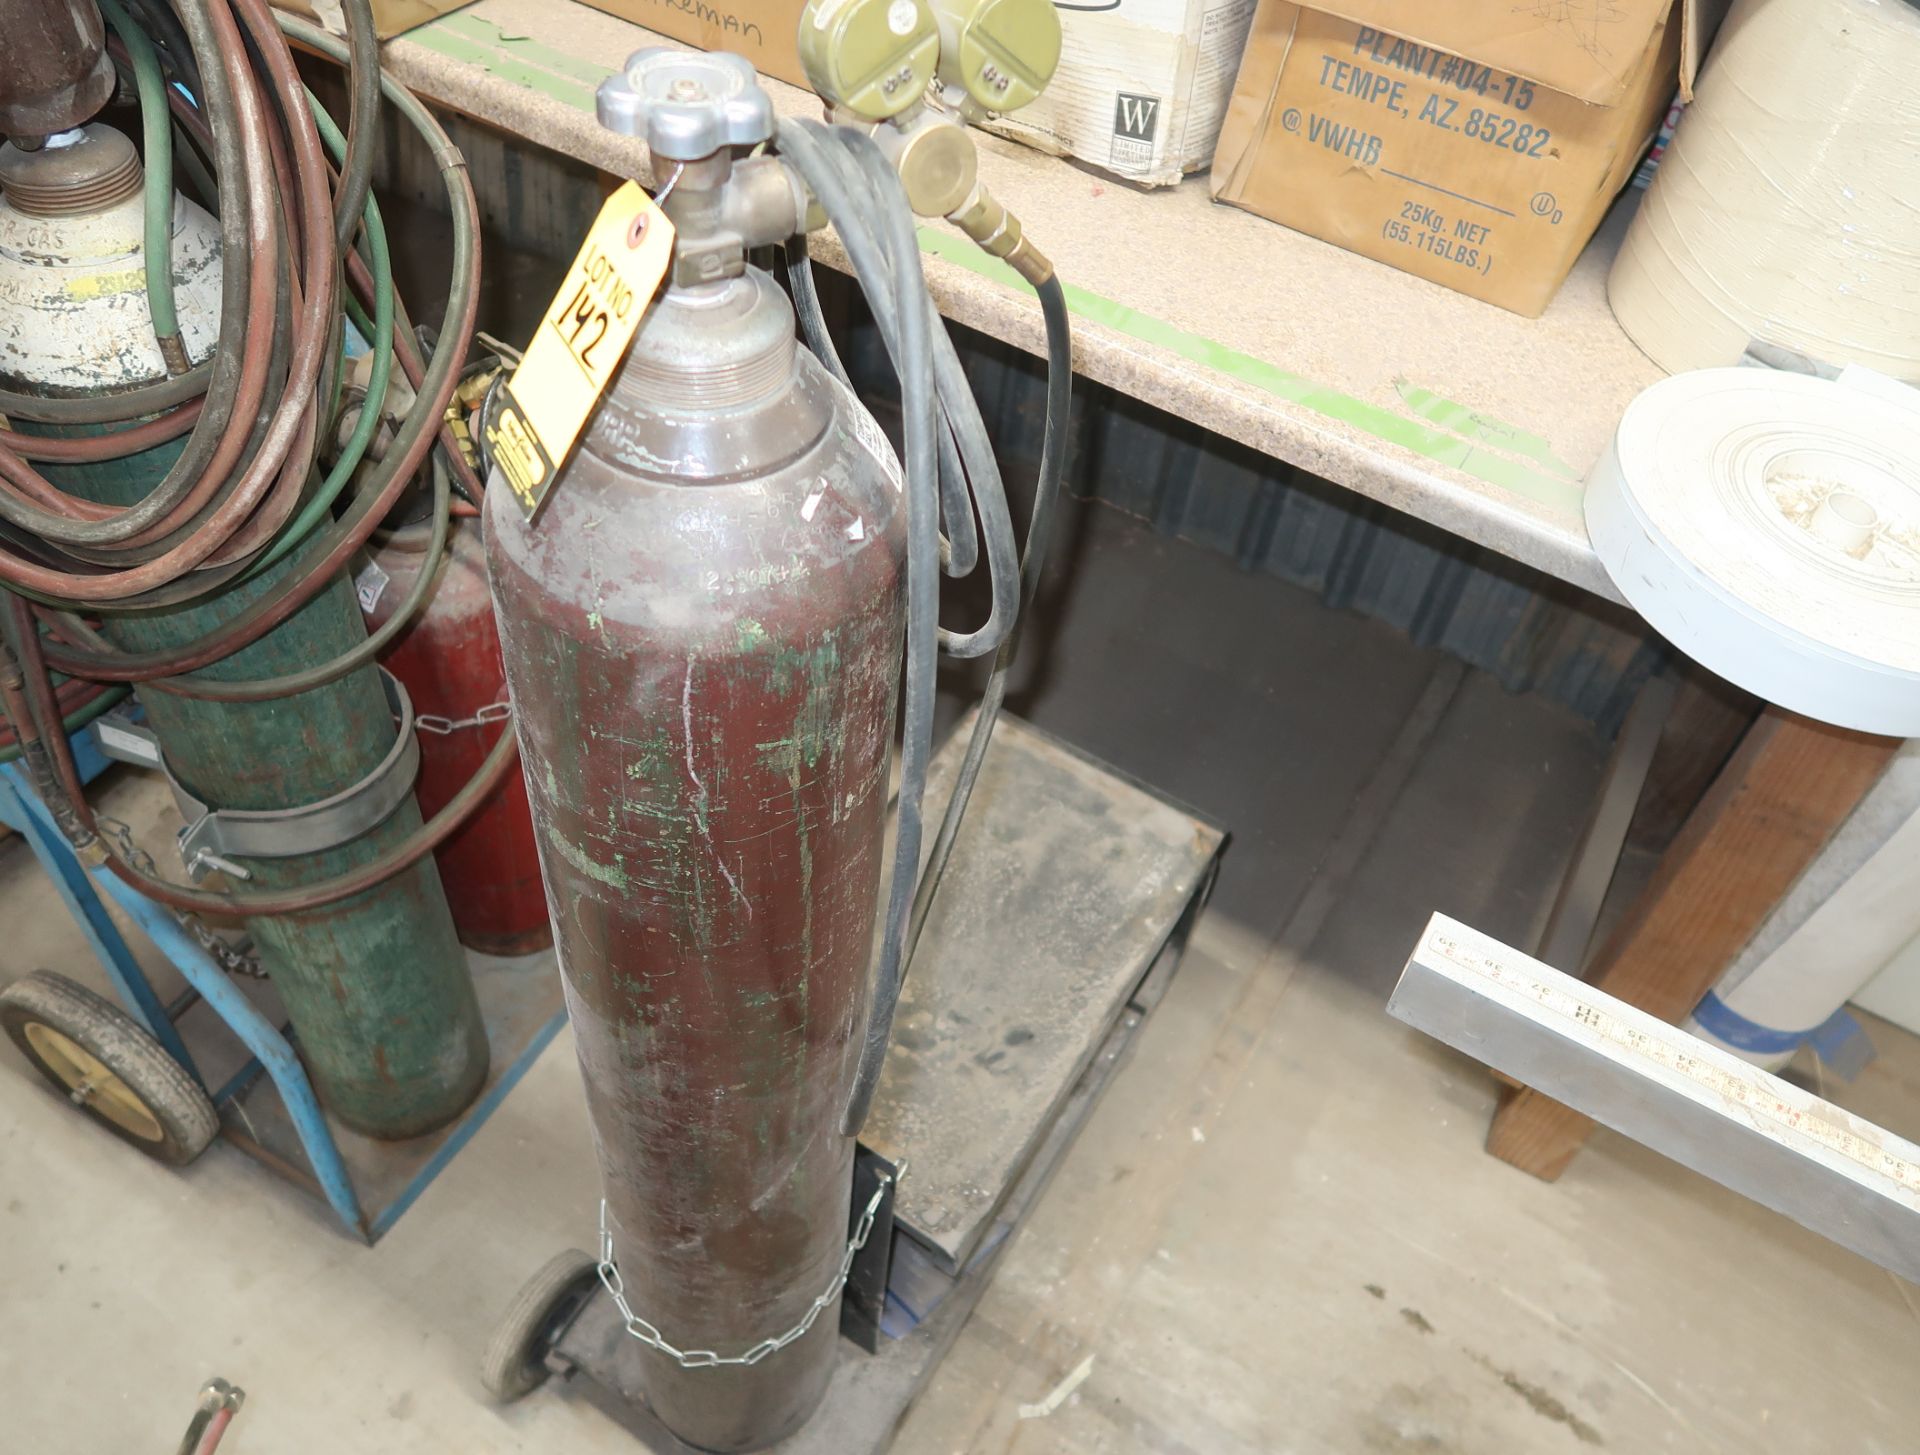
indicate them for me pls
(702, 636)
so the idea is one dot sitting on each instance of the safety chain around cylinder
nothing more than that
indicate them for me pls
(647, 1334)
(427, 722)
(230, 958)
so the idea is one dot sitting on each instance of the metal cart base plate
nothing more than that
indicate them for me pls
(1059, 924)
(520, 1005)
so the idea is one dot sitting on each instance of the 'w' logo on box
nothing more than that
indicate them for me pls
(1136, 119)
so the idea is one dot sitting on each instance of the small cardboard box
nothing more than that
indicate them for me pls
(1142, 86)
(766, 32)
(1472, 148)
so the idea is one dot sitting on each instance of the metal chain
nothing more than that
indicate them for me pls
(651, 1336)
(233, 959)
(230, 959)
(428, 722)
(122, 834)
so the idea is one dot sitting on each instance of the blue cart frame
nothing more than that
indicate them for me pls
(520, 1023)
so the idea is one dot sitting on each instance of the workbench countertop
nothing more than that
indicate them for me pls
(1462, 414)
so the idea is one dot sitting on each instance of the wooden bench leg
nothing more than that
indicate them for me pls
(1788, 786)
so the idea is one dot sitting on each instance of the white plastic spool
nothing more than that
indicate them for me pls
(1783, 209)
(1768, 525)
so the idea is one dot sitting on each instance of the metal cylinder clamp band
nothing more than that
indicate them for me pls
(215, 838)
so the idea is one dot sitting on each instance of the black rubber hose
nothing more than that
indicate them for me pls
(170, 37)
(959, 537)
(806, 306)
(961, 412)
(969, 469)
(117, 408)
(1046, 496)
(923, 610)
(363, 120)
(845, 168)
(889, 273)
(862, 167)
(960, 542)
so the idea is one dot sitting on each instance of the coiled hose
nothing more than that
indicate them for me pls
(243, 493)
(951, 472)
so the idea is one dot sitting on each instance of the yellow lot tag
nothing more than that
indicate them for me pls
(580, 342)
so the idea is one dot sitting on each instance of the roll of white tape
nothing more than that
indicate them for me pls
(1768, 525)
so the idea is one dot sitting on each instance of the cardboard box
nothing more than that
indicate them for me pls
(390, 17)
(766, 32)
(1591, 50)
(1426, 154)
(1142, 88)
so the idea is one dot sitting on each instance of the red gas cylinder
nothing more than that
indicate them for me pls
(449, 662)
(703, 631)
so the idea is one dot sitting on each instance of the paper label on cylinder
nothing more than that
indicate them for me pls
(579, 344)
(370, 585)
(872, 439)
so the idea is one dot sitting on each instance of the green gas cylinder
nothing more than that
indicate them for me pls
(376, 986)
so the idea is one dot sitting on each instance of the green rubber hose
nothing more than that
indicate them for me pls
(156, 126)
(320, 504)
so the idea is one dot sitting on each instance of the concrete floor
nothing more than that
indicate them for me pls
(1277, 1233)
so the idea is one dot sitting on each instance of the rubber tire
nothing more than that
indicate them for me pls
(188, 1121)
(514, 1364)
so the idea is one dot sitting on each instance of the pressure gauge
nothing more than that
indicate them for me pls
(874, 58)
(1001, 53)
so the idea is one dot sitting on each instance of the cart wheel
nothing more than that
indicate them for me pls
(515, 1363)
(105, 1063)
